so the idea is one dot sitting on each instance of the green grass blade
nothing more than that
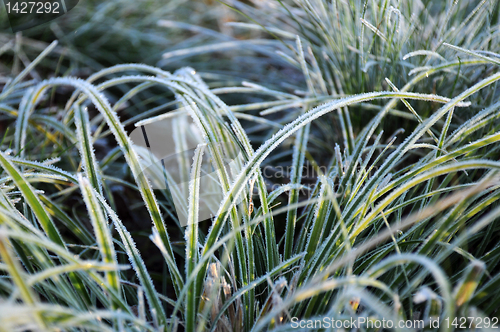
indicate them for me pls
(192, 237)
(101, 230)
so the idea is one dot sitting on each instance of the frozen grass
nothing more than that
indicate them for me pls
(397, 228)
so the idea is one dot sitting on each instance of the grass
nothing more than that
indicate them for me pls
(393, 105)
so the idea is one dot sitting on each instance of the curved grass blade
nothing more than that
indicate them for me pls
(125, 143)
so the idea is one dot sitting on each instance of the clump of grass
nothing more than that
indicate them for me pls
(391, 229)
